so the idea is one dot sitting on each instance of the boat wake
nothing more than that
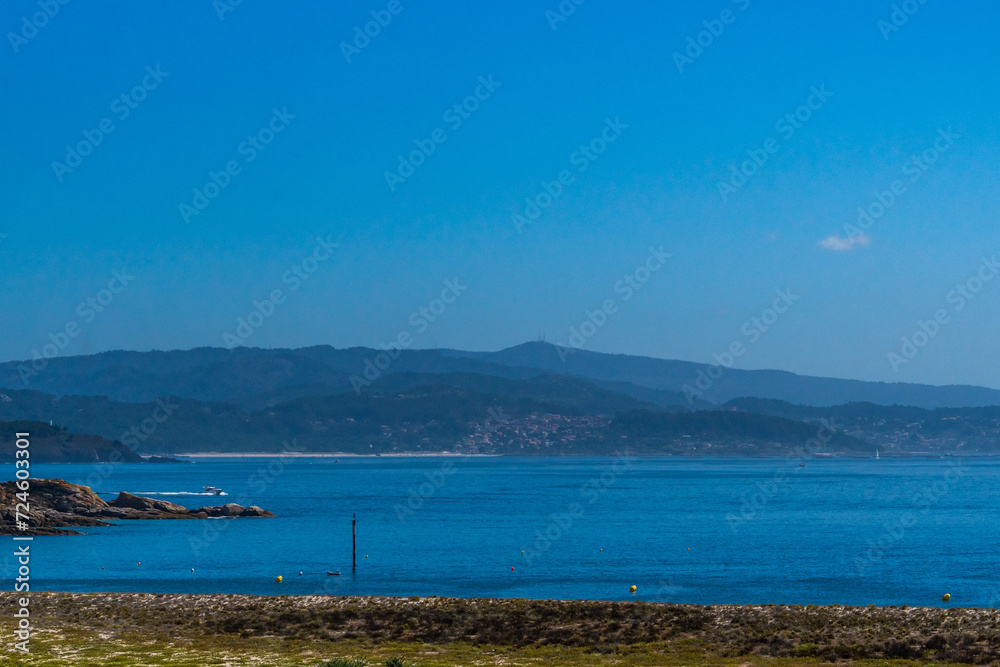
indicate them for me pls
(177, 493)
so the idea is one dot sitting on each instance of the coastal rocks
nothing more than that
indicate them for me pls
(229, 509)
(232, 510)
(56, 505)
(126, 499)
(253, 510)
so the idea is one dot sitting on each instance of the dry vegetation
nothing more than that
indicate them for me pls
(309, 630)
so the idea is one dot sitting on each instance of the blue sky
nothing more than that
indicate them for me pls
(343, 124)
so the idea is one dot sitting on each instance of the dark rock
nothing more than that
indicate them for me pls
(164, 459)
(125, 499)
(229, 509)
(253, 510)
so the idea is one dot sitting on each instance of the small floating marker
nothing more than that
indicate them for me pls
(139, 563)
(192, 569)
(632, 589)
(278, 578)
(602, 550)
(946, 597)
(300, 574)
(511, 569)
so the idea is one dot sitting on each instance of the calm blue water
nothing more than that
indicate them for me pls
(683, 530)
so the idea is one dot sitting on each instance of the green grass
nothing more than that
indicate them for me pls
(52, 649)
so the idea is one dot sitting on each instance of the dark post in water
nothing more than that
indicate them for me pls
(354, 543)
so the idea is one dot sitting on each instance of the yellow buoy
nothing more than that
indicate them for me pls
(278, 578)
(632, 590)
(139, 563)
(602, 550)
(946, 597)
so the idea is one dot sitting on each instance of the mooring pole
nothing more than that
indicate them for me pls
(354, 543)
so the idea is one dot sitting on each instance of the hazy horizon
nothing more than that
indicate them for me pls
(206, 162)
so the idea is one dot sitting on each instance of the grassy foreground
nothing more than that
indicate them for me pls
(139, 629)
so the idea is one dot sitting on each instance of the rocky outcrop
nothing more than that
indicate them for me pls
(57, 505)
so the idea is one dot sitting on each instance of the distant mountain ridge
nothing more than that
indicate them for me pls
(253, 377)
(670, 375)
(302, 400)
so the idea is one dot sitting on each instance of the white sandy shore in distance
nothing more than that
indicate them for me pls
(323, 455)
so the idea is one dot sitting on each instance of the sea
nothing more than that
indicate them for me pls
(688, 530)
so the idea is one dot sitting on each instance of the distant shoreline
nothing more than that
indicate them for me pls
(326, 455)
(645, 455)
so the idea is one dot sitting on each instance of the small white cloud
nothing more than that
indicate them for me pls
(838, 244)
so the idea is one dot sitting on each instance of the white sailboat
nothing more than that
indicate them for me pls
(876, 453)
